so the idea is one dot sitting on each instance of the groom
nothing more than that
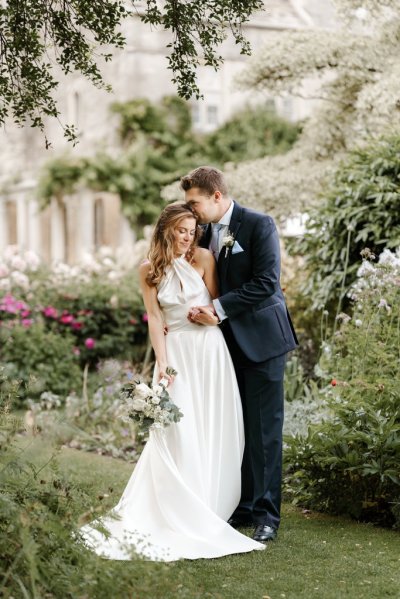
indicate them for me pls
(258, 331)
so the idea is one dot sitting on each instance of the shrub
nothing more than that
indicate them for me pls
(40, 359)
(350, 463)
(361, 209)
(251, 134)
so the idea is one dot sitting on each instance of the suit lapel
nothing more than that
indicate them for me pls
(234, 225)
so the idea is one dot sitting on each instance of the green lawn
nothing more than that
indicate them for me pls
(315, 555)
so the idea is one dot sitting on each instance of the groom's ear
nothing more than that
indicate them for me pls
(217, 196)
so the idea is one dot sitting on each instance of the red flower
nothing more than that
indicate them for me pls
(333, 382)
(132, 321)
(77, 325)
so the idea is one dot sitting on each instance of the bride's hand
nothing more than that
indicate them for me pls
(205, 315)
(167, 377)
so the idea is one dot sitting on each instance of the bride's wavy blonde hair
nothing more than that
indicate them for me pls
(161, 253)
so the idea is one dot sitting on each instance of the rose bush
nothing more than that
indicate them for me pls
(94, 309)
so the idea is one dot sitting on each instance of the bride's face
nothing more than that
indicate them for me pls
(184, 234)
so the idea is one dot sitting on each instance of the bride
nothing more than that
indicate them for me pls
(186, 483)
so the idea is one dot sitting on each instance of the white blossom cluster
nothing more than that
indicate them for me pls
(375, 280)
(16, 268)
(19, 269)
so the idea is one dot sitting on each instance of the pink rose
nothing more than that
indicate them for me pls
(77, 325)
(66, 318)
(76, 351)
(145, 317)
(26, 322)
(50, 312)
(90, 343)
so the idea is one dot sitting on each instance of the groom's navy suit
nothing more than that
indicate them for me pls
(259, 333)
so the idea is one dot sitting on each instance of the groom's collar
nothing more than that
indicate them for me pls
(226, 218)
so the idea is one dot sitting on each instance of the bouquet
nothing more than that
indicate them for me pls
(150, 406)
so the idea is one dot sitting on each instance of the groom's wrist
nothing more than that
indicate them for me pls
(219, 311)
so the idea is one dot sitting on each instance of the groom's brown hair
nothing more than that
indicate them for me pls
(206, 178)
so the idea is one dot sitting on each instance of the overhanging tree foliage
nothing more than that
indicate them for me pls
(36, 35)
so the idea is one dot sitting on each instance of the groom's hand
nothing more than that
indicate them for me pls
(204, 315)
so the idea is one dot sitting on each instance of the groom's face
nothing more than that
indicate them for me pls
(206, 207)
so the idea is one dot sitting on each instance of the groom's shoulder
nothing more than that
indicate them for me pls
(255, 217)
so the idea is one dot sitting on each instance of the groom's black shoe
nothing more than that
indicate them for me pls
(239, 522)
(264, 533)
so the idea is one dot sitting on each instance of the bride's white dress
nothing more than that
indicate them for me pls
(186, 483)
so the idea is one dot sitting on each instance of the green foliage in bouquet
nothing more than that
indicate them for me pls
(361, 209)
(40, 359)
(350, 463)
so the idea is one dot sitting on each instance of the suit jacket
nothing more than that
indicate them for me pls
(250, 291)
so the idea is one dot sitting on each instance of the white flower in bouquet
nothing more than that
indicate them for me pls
(142, 390)
(139, 404)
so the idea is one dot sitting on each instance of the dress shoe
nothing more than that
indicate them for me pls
(264, 533)
(239, 522)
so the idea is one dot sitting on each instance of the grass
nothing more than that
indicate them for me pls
(315, 556)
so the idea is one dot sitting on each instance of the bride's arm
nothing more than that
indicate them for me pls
(155, 320)
(205, 314)
(210, 276)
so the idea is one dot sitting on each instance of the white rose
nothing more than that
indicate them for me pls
(158, 389)
(142, 391)
(155, 399)
(139, 404)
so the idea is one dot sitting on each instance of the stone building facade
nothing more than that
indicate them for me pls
(71, 225)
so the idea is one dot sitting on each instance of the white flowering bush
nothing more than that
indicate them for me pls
(350, 463)
(351, 72)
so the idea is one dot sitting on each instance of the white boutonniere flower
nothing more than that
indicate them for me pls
(227, 241)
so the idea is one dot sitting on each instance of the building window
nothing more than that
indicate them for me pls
(196, 118)
(11, 222)
(212, 115)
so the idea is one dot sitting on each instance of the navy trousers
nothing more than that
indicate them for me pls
(261, 390)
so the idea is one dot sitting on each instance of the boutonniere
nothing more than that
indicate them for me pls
(227, 242)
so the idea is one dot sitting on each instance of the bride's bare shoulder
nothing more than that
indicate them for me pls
(144, 268)
(202, 255)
